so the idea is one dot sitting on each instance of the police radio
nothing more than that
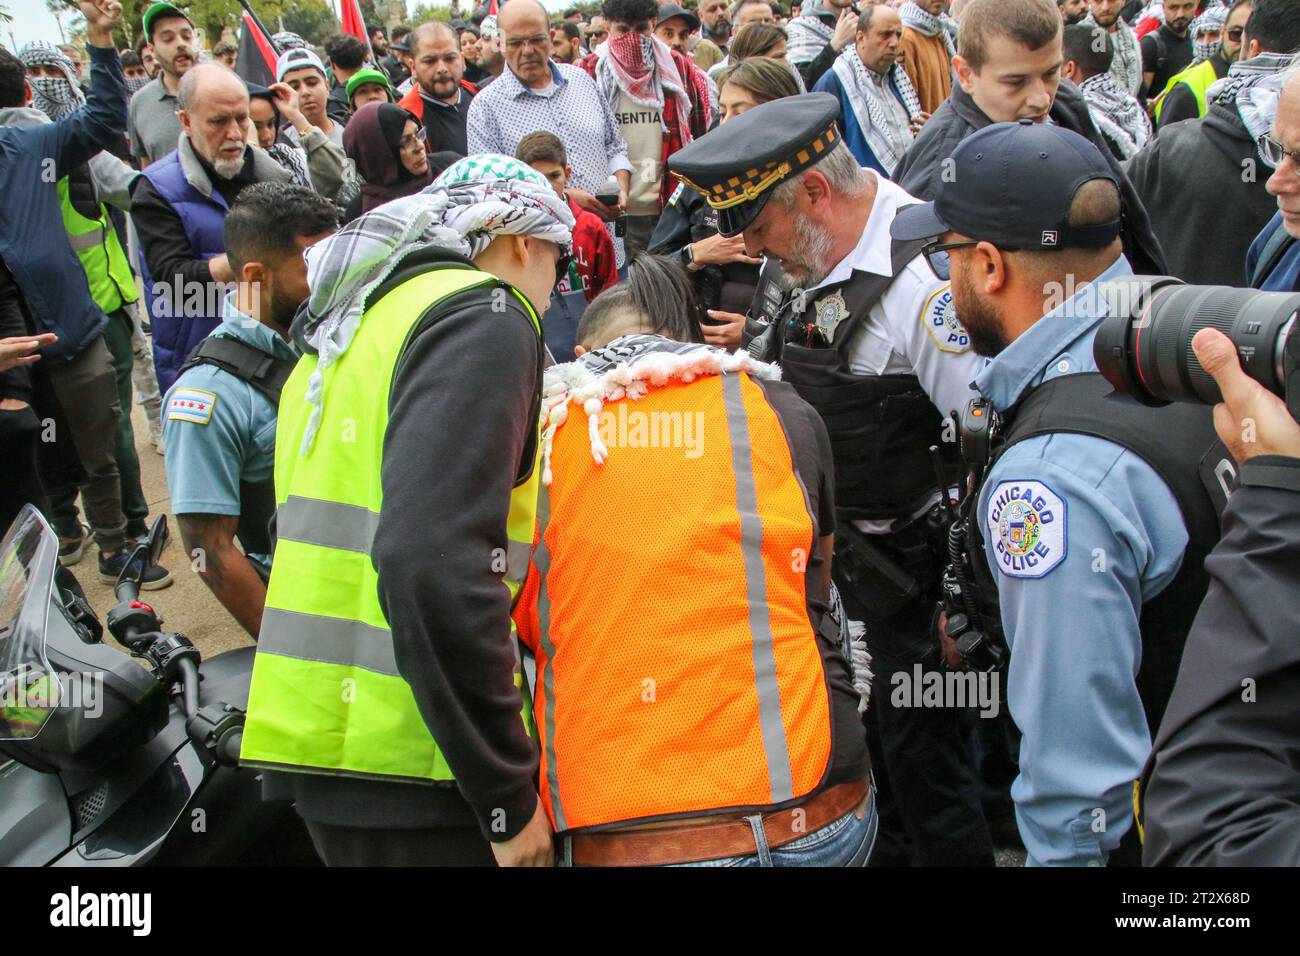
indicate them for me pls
(978, 636)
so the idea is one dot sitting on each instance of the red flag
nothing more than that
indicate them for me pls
(256, 62)
(355, 24)
(492, 8)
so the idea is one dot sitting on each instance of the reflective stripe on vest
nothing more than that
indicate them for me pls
(95, 242)
(326, 693)
(677, 668)
(1198, 78)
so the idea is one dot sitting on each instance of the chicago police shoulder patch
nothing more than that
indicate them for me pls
(1026, 524)
(191, 405)
(940, 320)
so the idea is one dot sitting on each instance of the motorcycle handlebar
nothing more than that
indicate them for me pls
(189, 687)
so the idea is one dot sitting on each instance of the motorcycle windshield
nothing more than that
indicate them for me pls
(29, 688)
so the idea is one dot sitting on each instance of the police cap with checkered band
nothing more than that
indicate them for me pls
(737, 165)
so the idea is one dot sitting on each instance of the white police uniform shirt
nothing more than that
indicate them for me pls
(913, 328)
(1078, 533)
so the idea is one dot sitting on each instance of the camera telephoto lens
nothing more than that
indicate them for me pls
(1144, 347)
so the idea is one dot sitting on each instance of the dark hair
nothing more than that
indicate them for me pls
(1031, 23)
(754, 39)
(131, 59)
(13, 80)
(767, 79)
(225, 46)
(572, 11)
(1089, 46)
(864, 14)
(399, 31)
(346, 51)
(377, 28)
(630, 11)
(568, 28)
(430, 29)
(541, 147)
(658, 291)
(140, 44)
(267, 218)
(1275, 25)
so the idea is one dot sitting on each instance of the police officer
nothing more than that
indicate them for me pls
(1092, 515)
(220, 415)
(867, 333)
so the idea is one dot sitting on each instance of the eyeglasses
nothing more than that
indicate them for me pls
(1275, 152)
(596, 34)
(517, 43)
(1236, 33)
(562, 265)
(936, 253)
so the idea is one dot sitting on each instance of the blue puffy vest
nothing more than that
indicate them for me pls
(182, 316)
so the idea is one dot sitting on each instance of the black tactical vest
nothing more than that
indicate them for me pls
(881, 426)
(267, 374)
(1179, 443)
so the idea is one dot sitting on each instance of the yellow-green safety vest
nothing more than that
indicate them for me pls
(1198, 78)
(326, 696)
(95, 242)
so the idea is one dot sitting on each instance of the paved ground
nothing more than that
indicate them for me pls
(187, 605)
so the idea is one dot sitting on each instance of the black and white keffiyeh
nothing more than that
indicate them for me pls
(1117, 114)
(54, 96)
(1252, 88)
(929, 24)
(629, 367)
(806, 35)
(887, 139)
(474, 200)
(1211, 21)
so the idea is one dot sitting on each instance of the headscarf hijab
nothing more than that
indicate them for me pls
(54, 97)
(372, 140)
(475, 200)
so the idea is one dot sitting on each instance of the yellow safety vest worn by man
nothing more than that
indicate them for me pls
(387, 683)
(1174, 102)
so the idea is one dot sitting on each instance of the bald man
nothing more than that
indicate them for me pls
(179, 207)
(440, 97)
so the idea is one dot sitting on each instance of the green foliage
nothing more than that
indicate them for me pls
(425, 12)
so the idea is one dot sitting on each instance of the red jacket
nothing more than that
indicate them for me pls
(593, 255)
(412, 100)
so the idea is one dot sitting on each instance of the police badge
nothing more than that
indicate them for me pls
(831, 310)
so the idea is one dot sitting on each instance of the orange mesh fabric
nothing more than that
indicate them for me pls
(656, 709)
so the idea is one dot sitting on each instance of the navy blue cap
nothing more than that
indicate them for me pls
(737, 165)
(1012, 184)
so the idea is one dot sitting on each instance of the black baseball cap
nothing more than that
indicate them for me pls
(669, 10)
(1012, 184)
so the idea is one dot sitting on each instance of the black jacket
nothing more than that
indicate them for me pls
(921, 169)
(688, 218)
(1224, 771)
(1202, 182)
(1180, 102)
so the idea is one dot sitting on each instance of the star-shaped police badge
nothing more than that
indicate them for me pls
(831, 310)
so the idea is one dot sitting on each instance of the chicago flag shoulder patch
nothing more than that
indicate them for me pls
(191, 405)
(1026, 524)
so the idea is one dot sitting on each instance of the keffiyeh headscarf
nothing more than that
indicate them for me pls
(643, 66)
(287, 40)
(1117, 114)
(134, 84)
(806, 34)
(1252, 88)
(474, 200)
(1211, 21)
(54, 97)
(929, 24)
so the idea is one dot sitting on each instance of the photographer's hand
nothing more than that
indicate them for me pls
(1251, 420)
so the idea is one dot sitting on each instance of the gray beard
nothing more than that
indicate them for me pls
(813, 264)
(228, 168)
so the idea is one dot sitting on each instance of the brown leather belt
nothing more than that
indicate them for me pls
(664, 845)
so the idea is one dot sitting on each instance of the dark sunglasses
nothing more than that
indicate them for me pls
(562, 266)
(1236, 33)
(936, 253)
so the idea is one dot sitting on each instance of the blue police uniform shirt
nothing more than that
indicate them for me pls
(218, 430)
(1079, 533)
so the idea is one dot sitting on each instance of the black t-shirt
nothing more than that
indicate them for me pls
(445, 124)
(1165, 56)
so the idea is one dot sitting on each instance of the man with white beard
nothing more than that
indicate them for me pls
(867, 334)
(179, 206)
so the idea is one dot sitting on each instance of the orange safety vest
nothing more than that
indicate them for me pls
(677, 668)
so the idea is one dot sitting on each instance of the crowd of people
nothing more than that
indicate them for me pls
(569, 408)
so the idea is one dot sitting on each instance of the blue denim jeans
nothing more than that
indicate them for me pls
(843, 842)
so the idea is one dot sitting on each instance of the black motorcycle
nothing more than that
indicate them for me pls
(104, 762)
